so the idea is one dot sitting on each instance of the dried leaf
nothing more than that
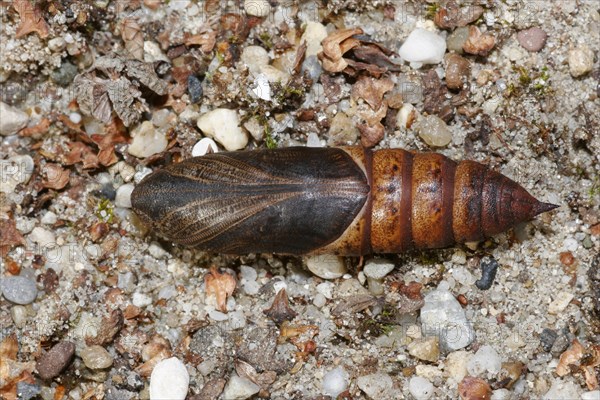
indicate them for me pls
(370, 135)
(478, 43)
(9, 236)
(206, 39)
(353, 304)
(9, 348)
(109, 327)
(133, 37)
(126, 100)
(145, 74)
(576, 358)
(332, 44)
(221, 286)
(571, 357)
(31, 19)
(375, 55)
(372, 90)
(55, 177)
(37, 130)
(280, 310)
(106, 143)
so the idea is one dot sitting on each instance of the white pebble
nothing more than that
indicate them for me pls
(326, 289)
(248, 273)
(217, 315)
(49, 218)
(319, 301)
(560, 302)
(313, 35)
(420, 388)
(169, 380)
(434, 131)
(123, 196)
(313, 140)
(237, 320)
(581, 60)
(424, 47)
(18, 314)
(485, 361)
(254, 57)
(14, 171)
(562, 390)
(13, 119)
(501, 394)
(376, 386)
(153, 53)
(204, 146)
(335, 382)
(257, 8)
(42, 237)
(146, 141)
(141, 299)
(75, 117)
(326, 266)
(570, 244)
(239, 388)
(261, 87)
(406, 116)
(456, 364)
(593, 395)
(378, 268)
(223, 125)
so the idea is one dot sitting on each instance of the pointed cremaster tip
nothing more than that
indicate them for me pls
(544, 207)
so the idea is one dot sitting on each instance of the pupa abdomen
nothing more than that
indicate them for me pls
(347, 201)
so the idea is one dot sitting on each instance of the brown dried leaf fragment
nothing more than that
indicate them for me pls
(576, 358)
(31, 19)
(479, 43)
(370, 135)
(109, 327)
(55, 177)
(145, 74)
(36, 131)
(280, 310)
(9, 236)
(133, 37)
(106, 143)
(206, 39)
(334, 47)
(353, 304)
(221, 286)
(12, 371)
(247, 371)
(372, 90)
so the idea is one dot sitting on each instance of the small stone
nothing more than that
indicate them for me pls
(420, 388)
(486, 360)
(254, 57)
(141, 300)
(18, 314)
(12, 121)
(238, 388)
(313, 35)
(376, 386)
(146, 141)
(123, 197)
(335, 382)
(560, 302)
(18, 289)
(532, 39)
(342, 130)
(57, 44)
(52, 363)
(471, 388)
(456, 40)
(378, 268)
(406, 116)
(169, 380)
(28, 391)
(456, 364)
(64, 75)
(326, 266)
(42, 237)
(223, 125)
(257, 8)
(194, 89)
(581, 61)
(458, 71)
(547, 339)
(96, 357)
(261, 87)
(427, 349)
(593, 395)
(434, 131)
(204, 146)
(423, 47)
(501, 394)
(153, 53)
(15, 171)
(561, 390)
(489, 266)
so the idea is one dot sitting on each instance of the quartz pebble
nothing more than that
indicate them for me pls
(376, 386)
(457, 39)
(13, 119)
(486, 360)
(326, 266)
(52, 363)
(15, 170)
(257, 8)
(146, 141)
(254, 57)
(434, 131)
(378, 268)
(18, 289)
(169, 380)
(443, 316)
(423, 47)
(593, 395)
(223, 125)
(335, 382)
(123, 197)
(456, 364)
(532, 39)
(561, 390)
(42, 237)
(28, 391)
(458, 71)
(96, 357)
(560, 302)
(238, 388)
(427, 349)
(581, 60)
(406, 116)
(313, 35)
(420, 388)
(18, 314)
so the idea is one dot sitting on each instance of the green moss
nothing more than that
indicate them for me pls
(266, 39)
(105, 210)
(431, 10)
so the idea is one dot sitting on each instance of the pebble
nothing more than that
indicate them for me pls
(489, 267)
(194, 89)
(123, 197)
(427, 349)
(458, 71)
(326, 266)
(342, 130)
(42, 237)
(261, 87)
(223, 125)
(406, 116)
(257, 8)
(581, 61)
(254, 57)
(423, 47)
(420, 388)
(96, 357)
(13, 119)
(443, 316)
(238, 388)
(560, 302)
(561, 390)
(18, 314)
(335, 382)
(485, 360)
(313, 35)
(456, 364)
(146, 141)
(457, 39)
(28, 391)
(547, 338)
(376, 386)
(434, 131)
(64, 75)
(52, 363)
(15, 170)
(153, 53)
(501, 394)
(593, 395)
(18, 289)
(141, 300)
(532, 39)
(378, 268)
(319, 301)
(169, 380)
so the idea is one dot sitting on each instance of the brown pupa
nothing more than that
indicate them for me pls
(346, 201)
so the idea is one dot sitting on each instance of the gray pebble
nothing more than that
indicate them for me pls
(194, 89)
(52, 363)
(18, 289)
(64, 75)
(457, 39)
(96, 357)
(547, 339)
(489, 266)
(27, 391)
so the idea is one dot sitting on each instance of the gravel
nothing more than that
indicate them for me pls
(169, 380)
(13, 119)
(52, 363)
(18, 289)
